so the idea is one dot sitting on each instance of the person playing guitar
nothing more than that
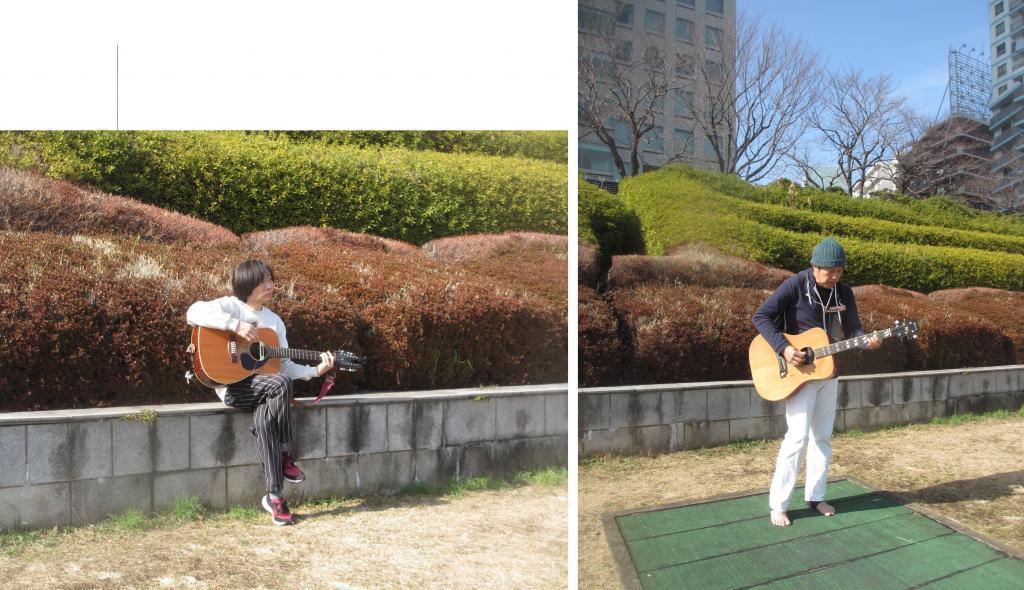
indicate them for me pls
(811, 298)
(268, 396)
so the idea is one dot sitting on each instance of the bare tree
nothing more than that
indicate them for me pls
(754, 89)
(623, 81)
(860, 121)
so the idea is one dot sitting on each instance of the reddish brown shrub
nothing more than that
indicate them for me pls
(530, 264)
(1001, 307)
(461, 336)
(947, 338)
(602, 355)
(30, 202)
(344, 240)
(588, 265)
(101, 321)
(694, 264)
(687, 333)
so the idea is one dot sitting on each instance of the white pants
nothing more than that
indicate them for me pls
(810, 414)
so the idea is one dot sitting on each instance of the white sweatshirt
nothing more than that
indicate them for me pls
(226, 313)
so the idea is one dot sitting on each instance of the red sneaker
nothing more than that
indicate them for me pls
(290, 470)
(278, 508)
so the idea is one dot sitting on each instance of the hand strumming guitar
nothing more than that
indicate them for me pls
(247, 331)
(793, 356)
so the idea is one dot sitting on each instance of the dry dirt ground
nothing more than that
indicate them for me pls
(972, 473)
(509, 538)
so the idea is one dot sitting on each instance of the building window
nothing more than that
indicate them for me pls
(1002, 89)
(620, 132)
(1000, 28)
(712, 38)
(595, 20)
(687, 3)
(654, 22)
(717, 6)
(999, 8)
(684, 103)
(654, 140)
(713, 71)
(1001, 71)
(684, 141)
(596, 157)
(626, 15)
(1000, 49)
(709, 148)
(604, 67)
(624, 52)
(684, 29)
(684, 65)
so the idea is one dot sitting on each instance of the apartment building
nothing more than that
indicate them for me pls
(672, 52)
(1007, 124)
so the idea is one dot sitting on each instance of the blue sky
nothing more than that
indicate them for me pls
(908, 39)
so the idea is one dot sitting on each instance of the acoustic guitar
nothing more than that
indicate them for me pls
(775, 379)
(221, 357)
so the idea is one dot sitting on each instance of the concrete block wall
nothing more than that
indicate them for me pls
(77, 466)
(671, 417)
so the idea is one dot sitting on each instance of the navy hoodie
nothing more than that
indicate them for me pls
(795, 307)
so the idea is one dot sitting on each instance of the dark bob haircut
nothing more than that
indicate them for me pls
(247, 275)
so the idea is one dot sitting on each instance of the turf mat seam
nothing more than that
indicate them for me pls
(821, 534)
(956, 573)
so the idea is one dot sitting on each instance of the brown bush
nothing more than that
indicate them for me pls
(527, 263)
(101, 321)
(462, 336)
(687, 333)
(602, 355)
(588, 265)
(344, 241)
(699, 265)
(999, 306)
(947, 339)
(31, 202)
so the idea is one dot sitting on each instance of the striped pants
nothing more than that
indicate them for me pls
(270, 398)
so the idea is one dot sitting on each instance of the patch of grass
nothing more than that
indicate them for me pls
(243, 513)
(14, 542)
(475, 484)
(550, 477)
(147, 416)
(956, 419)
(419, 488)
(129, 520)
(187, 508)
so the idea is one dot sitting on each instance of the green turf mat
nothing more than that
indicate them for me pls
(872, 543)
(651, 524)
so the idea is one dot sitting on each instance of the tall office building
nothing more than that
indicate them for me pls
(665, 52)
(1007, 123)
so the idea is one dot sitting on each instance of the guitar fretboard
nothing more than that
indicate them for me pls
(857, 342)
(291, 353)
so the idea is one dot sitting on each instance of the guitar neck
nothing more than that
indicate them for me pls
(291, 353)
(844, 345)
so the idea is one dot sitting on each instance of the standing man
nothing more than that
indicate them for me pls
(812, 298)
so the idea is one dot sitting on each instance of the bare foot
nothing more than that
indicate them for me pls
(780, 518)
(825, 508)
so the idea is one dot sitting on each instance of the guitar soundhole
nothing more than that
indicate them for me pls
(256, 351)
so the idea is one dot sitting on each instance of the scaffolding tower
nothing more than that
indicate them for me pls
(970, 84)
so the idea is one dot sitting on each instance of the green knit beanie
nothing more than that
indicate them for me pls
(828, 253)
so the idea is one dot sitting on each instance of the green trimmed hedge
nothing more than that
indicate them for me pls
(542, 145)
(802, 220)
(937, 211)
(253, 182)
(674, 208)
(606, 222)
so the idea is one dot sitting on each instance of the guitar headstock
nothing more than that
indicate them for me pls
(348, 361)
(906, 328)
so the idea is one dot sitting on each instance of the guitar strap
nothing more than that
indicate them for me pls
(326, 387)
